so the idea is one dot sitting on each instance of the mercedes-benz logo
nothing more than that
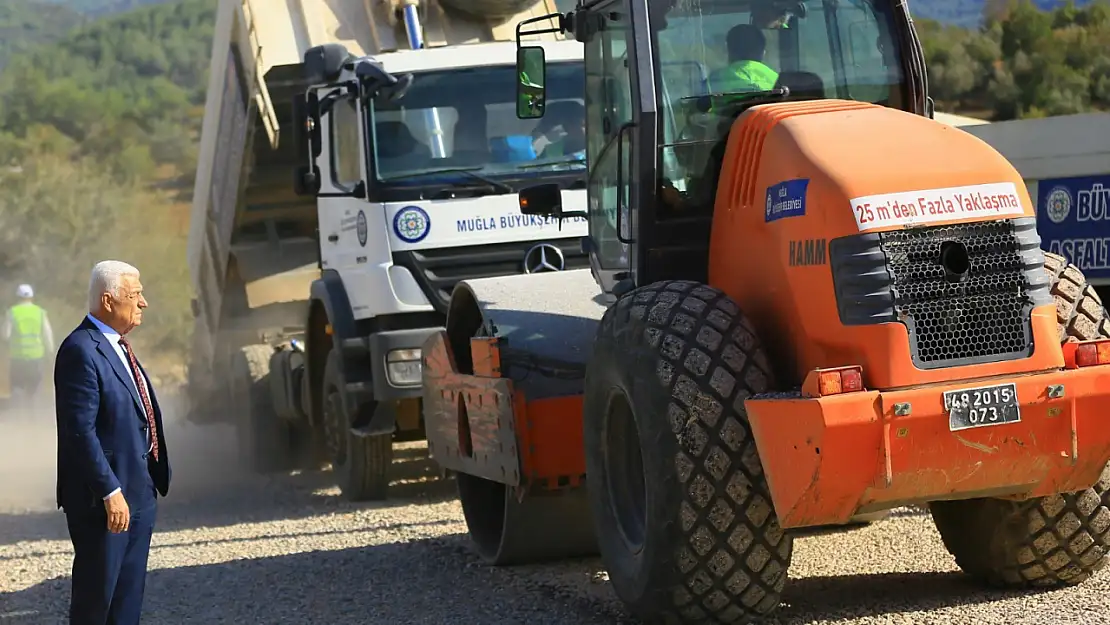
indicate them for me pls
(544, 257)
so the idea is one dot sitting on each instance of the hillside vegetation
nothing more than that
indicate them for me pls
(98, 134)
(25, 24)
(969, 13)
(1023, 62)
(104, 7)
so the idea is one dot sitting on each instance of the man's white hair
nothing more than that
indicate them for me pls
(106, 278)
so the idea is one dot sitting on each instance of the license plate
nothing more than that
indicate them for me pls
(983, 406)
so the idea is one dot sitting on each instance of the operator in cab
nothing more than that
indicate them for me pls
(746, 72)
(570, 116)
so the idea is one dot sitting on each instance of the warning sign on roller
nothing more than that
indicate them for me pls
(927, 206)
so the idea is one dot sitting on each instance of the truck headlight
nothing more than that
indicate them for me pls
(403, 367)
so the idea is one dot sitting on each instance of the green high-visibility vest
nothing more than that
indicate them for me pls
(742, 77)
(27, 341)
(745, 76)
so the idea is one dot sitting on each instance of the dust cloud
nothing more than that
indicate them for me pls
(28, 455)
(204, 458)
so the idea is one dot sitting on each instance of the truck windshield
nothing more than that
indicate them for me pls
(718, 55)
(475, 111)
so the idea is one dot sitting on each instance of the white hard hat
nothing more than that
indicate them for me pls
(26, 291)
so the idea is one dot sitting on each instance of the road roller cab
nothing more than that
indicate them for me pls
(817, 303)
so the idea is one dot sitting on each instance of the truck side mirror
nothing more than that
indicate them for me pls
(541, 199)
(323, 64)
(531, 93)
(380, 84)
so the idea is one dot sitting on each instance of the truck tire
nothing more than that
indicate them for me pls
(264, 439)
(492, 10)
(361, 463)
(1058, 540)
(672, 364)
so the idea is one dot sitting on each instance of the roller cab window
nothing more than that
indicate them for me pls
(719, 57)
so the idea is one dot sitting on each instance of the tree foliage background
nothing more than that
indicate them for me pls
(1022, 62)
(98, 135)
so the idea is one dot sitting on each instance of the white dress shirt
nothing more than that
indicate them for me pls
(113, 338)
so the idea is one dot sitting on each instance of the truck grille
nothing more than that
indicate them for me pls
(898, 276)
(438, 270)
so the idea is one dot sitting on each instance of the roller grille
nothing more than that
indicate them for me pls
(983, 317)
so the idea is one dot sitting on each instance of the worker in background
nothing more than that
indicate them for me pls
(30, 340)
(746, 71)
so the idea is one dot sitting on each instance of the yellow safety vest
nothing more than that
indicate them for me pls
(26, 342)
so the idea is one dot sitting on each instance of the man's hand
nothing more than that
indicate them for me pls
(119, 514)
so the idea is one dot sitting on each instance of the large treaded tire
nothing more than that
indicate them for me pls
(1079, 310)
(682, 358)
(361, 463)
(265, 441)
(1059, 540)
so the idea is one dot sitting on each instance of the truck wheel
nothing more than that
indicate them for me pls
(1058, 540)
(361, 463)
(672, 364)
(264, 439)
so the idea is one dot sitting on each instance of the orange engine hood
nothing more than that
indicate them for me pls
(796, 176)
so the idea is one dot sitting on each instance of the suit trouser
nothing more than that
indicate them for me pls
(109, 570)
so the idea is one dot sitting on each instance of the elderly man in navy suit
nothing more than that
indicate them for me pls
(112, 460)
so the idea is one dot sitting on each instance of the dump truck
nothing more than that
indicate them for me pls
(806, 301)
(357, 159)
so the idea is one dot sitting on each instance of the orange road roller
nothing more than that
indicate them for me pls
(807, 301)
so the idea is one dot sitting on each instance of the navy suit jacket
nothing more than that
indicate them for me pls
(102, 427)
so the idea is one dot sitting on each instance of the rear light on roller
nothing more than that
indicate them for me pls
(1087, 353)
(851, 380)
(825, 382)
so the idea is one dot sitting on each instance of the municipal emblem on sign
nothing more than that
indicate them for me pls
(1058, 204)
(411, 224)
(360, 228)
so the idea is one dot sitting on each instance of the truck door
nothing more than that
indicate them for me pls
(341, 208)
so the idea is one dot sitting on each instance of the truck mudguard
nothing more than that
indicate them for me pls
(329, 291)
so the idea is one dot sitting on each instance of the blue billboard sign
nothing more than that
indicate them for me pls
(1073, 218)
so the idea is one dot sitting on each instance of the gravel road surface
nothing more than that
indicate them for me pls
(245, 550)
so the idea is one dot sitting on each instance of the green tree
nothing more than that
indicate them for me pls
(1022, 62)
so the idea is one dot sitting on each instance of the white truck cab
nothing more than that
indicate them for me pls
(418, 192)
(313, 299)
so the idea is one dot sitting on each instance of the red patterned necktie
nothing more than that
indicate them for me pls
(142, 394)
